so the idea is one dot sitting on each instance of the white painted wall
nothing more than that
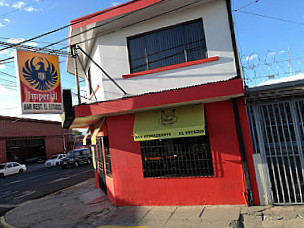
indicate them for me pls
(112, 54)
(262, 180)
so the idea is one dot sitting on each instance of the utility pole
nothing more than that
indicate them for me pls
(74, 55)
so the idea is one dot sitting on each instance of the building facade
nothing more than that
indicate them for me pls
(29, 140)
(166, 106)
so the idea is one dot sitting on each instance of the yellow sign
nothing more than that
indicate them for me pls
(187, 121)
(39, 82)
(93, 141)
(84, 141)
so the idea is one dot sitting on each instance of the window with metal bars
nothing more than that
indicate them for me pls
(168, 46)
(178, 157)
(107, 156)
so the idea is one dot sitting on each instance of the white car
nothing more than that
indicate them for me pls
(11, 168)
(54, 160)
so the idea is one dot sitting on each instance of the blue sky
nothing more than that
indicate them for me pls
(269, 48)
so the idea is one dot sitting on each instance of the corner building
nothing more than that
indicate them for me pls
(175, 131)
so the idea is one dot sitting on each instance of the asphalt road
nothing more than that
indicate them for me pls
(38, 181)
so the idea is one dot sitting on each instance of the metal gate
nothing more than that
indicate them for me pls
(278, 135)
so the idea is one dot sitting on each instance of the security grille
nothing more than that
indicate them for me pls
(107, 156)
(278, 134)
(180, 157)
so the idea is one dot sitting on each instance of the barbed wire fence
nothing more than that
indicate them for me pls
(261, 68)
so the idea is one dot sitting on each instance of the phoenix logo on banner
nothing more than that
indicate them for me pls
(40, 76)
(39, 82)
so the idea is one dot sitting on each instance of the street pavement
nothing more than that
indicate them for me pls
(39, 181)
(83, 205)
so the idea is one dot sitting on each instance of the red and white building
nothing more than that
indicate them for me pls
(175, 131)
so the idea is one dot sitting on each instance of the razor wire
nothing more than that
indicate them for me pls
(257, 68)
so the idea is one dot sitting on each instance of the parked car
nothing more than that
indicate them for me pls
(77, 157)
(54, 160)
(11, 168)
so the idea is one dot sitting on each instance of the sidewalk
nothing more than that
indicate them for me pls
(85, 206)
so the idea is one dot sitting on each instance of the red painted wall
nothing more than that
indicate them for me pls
(2, 151)
(129, 187)
(53, 145)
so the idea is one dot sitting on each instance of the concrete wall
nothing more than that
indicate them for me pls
(111, 52)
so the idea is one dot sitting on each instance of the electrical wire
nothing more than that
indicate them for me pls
(15, 10)
(112, 31)
(95, 27)
(67, 26)
(9, 75)
(256, 1)
(272, 18)
(39, 42)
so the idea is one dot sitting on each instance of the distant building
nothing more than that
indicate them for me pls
(28, 140)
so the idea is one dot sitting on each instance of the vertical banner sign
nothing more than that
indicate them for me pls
(39, 82)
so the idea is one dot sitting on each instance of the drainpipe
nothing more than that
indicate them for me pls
(242, 150)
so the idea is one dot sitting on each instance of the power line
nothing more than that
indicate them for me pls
(7, 80)
(3, 60)
(67, 26)
(256, 1)
(147, 19)
(31, 48)
(87, 30)
(9, 75)
(15, 10)
(272, 18)
(98, 26)
(39, 42)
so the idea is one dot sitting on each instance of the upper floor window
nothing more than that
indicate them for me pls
(169, 46)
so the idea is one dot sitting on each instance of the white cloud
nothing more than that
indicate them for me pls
(4, 52)
(251, 57)
(5, 91)
(2, 66)
(1, 25)
(30, 9)
(18, 5)
(7, 20)
(115, 3)
(14, 40)
(3, 3)
(33, 44)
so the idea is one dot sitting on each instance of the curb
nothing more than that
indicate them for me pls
(4, 224)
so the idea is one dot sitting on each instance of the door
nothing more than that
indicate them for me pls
(9, 169)
(278, 135)
(100, 164)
